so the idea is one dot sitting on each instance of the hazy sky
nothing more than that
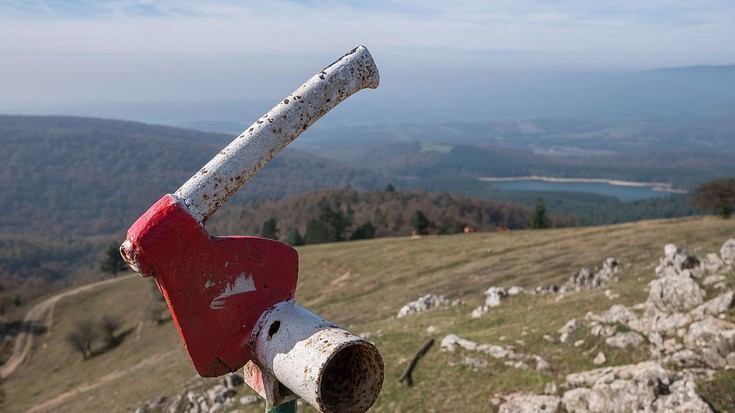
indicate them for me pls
(76, 51)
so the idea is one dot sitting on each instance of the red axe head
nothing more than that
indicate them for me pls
(216, 287)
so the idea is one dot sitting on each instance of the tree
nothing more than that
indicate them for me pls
(390, 188)
(451, 226)
(538, 217)
(294, 238)
(364, 231)
(336, 222)
(270, 229)
(108, 326)
(717, 195)
(113, 262)
(81, 338)
(420, 223)
(316, 232)
(330, 227)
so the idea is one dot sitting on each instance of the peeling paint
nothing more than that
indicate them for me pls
(242, 284)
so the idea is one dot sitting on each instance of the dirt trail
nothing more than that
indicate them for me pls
(99, 382)
(42, 315)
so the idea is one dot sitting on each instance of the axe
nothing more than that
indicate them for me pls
(232, 298)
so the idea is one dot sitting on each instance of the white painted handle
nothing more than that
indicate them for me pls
(237, 163)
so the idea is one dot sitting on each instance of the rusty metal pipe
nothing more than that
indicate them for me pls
(219, 179)
(326, 365)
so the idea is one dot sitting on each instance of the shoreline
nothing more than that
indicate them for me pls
(656, 186)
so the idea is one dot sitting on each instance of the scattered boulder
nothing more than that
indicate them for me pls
(570, 326)
(493, 296)
(248, 400)
(587, 279)
(600, 358)
(546, 289)
(727, 252)
(519, 360)
(515, 290)
(618, 313)
(424, 303)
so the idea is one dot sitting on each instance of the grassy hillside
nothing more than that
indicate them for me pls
(362, 285)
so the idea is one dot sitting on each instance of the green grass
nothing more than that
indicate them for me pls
(362, 285)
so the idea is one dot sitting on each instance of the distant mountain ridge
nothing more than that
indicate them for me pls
(663, 93)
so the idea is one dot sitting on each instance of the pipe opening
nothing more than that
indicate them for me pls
(352, 379)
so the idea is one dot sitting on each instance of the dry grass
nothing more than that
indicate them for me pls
(362, 285)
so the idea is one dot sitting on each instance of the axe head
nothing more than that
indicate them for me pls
(216, 287)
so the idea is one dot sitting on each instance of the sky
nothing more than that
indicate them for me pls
(61, 53)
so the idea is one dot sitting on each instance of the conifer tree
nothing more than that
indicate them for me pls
(270, 229)
(539, 219)
(113, 262)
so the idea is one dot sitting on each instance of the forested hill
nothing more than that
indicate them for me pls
(78, 176)
(347, 213)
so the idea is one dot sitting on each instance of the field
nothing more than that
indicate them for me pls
(362, 285)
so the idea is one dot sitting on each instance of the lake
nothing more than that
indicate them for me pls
(624, 192)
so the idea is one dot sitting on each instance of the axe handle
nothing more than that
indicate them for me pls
(232, 167)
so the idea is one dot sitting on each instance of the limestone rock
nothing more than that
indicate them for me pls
(712, 263)
(424, 303)
(546, 289)
(714, 339)
(678, 262)
(588, 279)
(493, 297)
(682, 397)
(248, 400)
(515, 290)
(623, 340)
(530, 404)
(570, 326)
(618, 313)
(584, 400)
(644, 386)
(727, 252)
(684, 359)
(451, 340)
(601, 330)
(600, 358)
(714, 307)
(668, 324)
(672, 293)
(713, 279)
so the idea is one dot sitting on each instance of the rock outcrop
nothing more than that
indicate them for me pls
(688, 337)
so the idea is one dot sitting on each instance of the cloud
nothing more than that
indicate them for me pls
(138, 49)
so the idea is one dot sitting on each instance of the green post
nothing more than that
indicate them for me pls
(289, 407)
